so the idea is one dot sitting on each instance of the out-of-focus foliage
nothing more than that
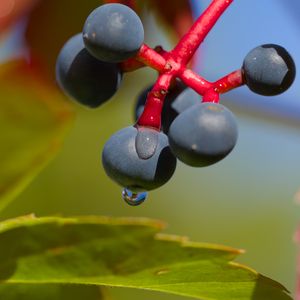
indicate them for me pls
(33, 119)
(124, 253)
(50, 22)
(34, 123)
(175, 16)
(11, 11)
(51, 292)
(297, 240)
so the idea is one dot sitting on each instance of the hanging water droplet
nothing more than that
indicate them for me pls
(146, 142)
(133, 199)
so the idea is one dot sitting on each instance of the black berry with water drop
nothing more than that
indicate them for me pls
(135, 168)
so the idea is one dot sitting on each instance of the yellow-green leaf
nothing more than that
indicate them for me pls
(125, 253)
(33, 119)
(50, 292)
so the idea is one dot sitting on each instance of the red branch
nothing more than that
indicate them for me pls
(171, 65)
(151, 116)
(146, 56)
(223, 85)
(211, 96)
(188, 45)
(229, 82)
(131, 65)
(151, 58)
(195, 81)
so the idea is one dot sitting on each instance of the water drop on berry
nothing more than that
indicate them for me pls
(133, 199)
(146, 142)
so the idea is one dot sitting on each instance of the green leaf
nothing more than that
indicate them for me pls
(125, 253)
(33, 120)
(50, 292)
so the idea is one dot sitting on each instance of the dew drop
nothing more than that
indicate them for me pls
(133, 199)
(146, 142)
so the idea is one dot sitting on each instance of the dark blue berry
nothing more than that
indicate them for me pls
(113, 32)
(203, 134)
(84, 78)
(124, 165)
(269, 70)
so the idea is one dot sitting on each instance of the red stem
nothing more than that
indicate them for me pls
(223, 85)
(229, 82)
(131, 65)
(169, 69)
(188, 45)
(151, 58)
(211, 96)
(172, 65)
(151, 116)
(195, 81)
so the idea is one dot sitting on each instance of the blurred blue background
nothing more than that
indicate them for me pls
(245, 201)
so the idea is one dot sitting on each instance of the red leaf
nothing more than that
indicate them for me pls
(12, 10)
(51, 24)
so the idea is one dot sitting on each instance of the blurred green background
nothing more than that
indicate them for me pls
(245, 201)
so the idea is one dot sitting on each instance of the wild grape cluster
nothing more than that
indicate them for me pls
(171, 121)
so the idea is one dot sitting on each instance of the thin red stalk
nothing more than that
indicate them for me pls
(195, 81)
(188, 45)
(211, 91)
(229, 82)
(151, 58)
(146, 56)
(151, 116)
(131, 65)
(211, 96)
